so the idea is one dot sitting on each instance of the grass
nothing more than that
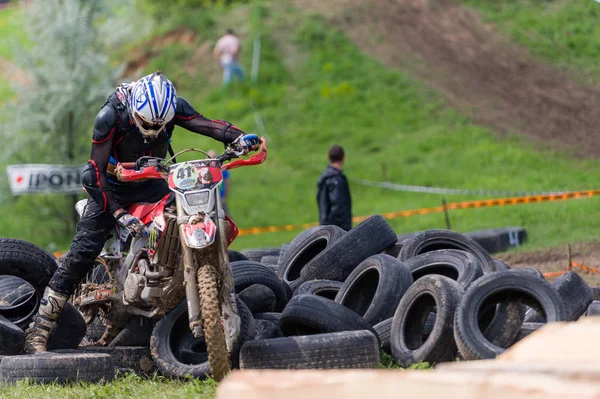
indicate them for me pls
(332, 93)
(124, 387)
(10, 30)
(566, 33)
(134, 387)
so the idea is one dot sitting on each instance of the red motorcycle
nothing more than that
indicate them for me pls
(184, 255)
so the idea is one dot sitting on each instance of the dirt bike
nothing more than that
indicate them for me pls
(184, 255)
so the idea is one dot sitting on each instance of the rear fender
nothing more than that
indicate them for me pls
(233, 230)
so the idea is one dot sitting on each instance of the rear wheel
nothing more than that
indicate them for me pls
(94, 315)
(214, 333)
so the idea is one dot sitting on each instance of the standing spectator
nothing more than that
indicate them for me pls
(333, 195)
(227, 51)
(223, 186)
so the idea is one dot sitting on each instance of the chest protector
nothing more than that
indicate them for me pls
(128, 142)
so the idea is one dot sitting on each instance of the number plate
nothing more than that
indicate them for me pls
(185, 176)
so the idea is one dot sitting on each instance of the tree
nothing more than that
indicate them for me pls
(71, 73)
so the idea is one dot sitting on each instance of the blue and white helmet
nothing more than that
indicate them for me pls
(152, 103)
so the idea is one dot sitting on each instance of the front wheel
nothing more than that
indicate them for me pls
(214, 333)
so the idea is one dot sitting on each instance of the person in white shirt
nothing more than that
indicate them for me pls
(227, 51)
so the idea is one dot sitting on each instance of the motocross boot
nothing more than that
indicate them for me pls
(39, 330)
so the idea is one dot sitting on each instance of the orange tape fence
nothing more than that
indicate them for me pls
(573, 265)
(530, 199)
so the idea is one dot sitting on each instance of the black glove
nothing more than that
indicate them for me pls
(132, 224)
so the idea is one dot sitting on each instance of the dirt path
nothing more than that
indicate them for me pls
(495, 82)
(12, 73)
(556, 259)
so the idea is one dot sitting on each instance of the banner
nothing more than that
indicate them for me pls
(40, 178)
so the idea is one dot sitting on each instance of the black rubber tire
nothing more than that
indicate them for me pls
(593, 309)
(383, 330)
(282, 252)
(304, 248)
(235, 256)
(247, 273)
(266, 329)
(12, 338)
(269, 316)
(533, 271)
(18, 299)
(11, 289)
(258, 298)
(31, 263)
(137, 332)
(394, 250)
(342, 350)
(501, 266)
(375, 287)
(287, 289)
(461, 266)
(575, 293)
(247, 333)
(189, 357)
(325, 288)
(524, 287)
(526, 330)
(135, 359)
(431, 240)
(595, 293)
(504, 323)
(499, 239)
(270, 260)
(51, 367)
(69, 330)
(257, 253)
(311, 314)
(339, 260)
(406, 337)
(531, 316)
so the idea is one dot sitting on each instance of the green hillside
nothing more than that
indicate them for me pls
(316, 88)
(567, 33)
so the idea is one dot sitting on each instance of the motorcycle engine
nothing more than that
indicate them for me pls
(132, 289)
(143, 285)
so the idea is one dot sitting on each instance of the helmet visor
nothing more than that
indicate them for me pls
(152, 126)
(146, 127)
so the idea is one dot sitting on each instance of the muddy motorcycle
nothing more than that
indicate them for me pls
(184, 255)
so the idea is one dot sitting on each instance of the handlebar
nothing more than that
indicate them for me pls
(128, 165)
(155, 168)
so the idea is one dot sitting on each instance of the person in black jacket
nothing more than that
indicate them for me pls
(333, 194)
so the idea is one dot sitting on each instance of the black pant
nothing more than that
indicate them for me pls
(93, 230)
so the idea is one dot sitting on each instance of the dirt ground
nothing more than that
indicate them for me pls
(478, 70)
(556, 259)
(201, 64)
(12, 73)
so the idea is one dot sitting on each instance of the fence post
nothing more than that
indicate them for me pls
(446, 214)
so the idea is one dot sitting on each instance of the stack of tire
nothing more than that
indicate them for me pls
(334, 299)
(328, 299)
(25, 270)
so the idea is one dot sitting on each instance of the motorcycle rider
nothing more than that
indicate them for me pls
(136, 120)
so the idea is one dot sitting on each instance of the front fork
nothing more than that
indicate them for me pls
(232, 322)
(230, 317)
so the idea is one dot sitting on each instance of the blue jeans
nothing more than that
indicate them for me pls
(230, 70)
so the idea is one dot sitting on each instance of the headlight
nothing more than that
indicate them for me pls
(198, 198)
